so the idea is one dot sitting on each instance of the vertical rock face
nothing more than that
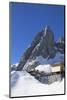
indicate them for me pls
(47, 42)
(45, 46)
(42, 45)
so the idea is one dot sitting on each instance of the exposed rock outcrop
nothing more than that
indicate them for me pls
(42, 45)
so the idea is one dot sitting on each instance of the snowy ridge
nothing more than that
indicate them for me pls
(14, 65)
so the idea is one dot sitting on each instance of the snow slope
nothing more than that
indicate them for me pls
(27, 85)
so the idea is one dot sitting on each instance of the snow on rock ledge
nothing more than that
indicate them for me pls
(45, 68)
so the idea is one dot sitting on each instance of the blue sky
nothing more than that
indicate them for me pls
(26, 20)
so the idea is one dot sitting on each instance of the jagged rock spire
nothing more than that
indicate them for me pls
(42, 45)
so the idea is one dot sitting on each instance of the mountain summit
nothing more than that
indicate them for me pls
(42, 47)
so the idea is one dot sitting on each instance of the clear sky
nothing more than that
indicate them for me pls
(26, 20)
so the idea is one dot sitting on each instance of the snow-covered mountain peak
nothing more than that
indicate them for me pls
(42, 52)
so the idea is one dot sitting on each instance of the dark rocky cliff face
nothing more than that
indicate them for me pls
(44, 45)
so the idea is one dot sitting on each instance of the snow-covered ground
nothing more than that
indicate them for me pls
(23, 84)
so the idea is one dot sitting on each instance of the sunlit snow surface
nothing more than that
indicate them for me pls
(45, 68)
(23, 84)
